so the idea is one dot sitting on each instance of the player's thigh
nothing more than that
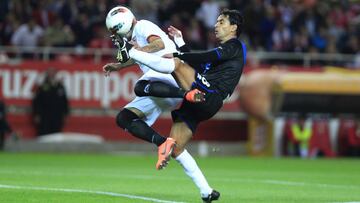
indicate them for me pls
(146, 108)
(184, 74)
(182, 134)
(136, 111)
(152, 75)
(150, 108)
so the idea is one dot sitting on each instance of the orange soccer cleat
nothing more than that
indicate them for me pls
(164, 152)
(195, 96)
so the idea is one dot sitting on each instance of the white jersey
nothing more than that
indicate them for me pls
(152, 107)
(143, 30)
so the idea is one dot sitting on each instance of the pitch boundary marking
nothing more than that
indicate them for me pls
(113, 194)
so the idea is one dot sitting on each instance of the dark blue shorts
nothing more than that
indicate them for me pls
(193, 113)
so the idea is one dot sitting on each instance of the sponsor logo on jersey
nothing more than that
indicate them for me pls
(203, 80)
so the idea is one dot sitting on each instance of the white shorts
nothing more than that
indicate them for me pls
(152, 107)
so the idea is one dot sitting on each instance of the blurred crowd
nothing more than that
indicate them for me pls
(270, 25)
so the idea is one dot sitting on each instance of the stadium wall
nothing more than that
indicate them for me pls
(95, 100)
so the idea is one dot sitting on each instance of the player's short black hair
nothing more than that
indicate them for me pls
(235, 18)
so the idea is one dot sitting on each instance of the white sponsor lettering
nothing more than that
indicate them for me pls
(28, 83)
(86, 85)
(80, 85)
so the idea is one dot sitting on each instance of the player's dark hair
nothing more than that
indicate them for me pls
(235, 18)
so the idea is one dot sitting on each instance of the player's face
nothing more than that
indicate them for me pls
(223, 29)
(129, 34)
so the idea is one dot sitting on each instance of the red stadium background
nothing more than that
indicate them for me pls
(95, 99)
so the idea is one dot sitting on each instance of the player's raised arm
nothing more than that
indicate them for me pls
(111, 67)
(155, 44)
(224, 52)
(178, 38)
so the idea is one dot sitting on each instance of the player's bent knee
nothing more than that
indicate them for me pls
(124, 118)
(140, 88)
(121, 120)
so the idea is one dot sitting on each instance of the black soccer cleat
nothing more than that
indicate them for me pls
(215, 195)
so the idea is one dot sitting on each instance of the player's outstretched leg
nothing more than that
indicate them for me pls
(215, 195)
(164, 152)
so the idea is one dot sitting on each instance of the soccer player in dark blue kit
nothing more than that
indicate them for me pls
(215, 72)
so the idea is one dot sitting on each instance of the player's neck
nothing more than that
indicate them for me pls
(227, 38)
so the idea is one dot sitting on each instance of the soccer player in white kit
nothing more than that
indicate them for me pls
(142, 112)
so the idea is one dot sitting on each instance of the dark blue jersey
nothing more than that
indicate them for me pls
(219, 69)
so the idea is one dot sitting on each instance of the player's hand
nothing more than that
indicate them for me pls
(176, 35)
(110, 67)
(174, 32)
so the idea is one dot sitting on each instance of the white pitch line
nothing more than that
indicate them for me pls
(113, 194)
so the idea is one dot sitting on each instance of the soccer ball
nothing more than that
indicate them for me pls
(119, 20)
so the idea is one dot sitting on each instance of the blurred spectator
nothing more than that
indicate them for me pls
(267, 26)
(58, 34)
(4, 9)
(50, 105)
(144, 9)
(238, 4)
(67, 10)
(282, 25)
(4, 125)
(286, 11)
(42, 13)
(357, 60)
(208, 13)
(319, 39)
(27, 36)
(253, 14)
(194, 35)
(348, 138)
(7, 28)
(339, 16)
(297, 133)
(21, 9)
(101, 38)
(166, 8)
(351, 45)
(331, 49)
(83, 30)
(301, 40)
(281, 37)
(320, 143)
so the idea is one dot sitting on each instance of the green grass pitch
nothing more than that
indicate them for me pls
(119, 178)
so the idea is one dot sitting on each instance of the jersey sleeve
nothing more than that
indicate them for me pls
(225, 51)
(148, 29)
(184, 48)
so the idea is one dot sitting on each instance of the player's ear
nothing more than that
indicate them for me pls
(233, 28)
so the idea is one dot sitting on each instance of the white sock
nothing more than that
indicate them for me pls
(194, 172)
(157, 63)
